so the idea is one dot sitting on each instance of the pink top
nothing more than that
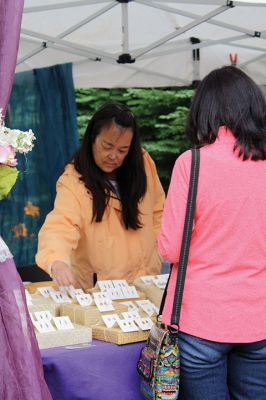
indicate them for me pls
(225, 288)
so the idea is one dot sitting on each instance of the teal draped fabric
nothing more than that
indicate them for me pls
(42, 100)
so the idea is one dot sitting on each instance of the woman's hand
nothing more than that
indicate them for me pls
(62, 274)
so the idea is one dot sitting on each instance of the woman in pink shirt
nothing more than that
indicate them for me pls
(222, 323)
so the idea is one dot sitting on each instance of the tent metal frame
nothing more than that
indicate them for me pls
(163, 46)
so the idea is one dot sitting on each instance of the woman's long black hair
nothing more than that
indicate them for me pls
(131, 176)
(227, 96)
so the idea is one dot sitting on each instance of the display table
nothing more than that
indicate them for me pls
(104, 371)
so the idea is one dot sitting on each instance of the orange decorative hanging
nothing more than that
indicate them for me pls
(233, 59)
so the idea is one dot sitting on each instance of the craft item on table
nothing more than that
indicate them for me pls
(84, 299)
(132, 328)
(71, 291)
(130, 292)
(144, 323)
(89, 315)
(58, 331)
(120, 283)
(147, 279)
(32, 286)
(130, 305)
(45, 291)
(127, 325)
(131, 314)
(77, 295)
(40, 303)
(160, 280)
(43, 326)
(142, 307)
(103, 301)
(43, 315)
(152, 286)
(117, 289)
(117, 336)
(110, 320)
(59, 297)
(62, 323)
(64, 337)
(104, 285)
(148, 307)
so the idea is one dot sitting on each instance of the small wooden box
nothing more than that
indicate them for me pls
(152, 292)
(89, 315)
(116, 335)
(68, 337)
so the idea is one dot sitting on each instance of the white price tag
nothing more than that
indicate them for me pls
(63, 289)
(131, 315)
(144, 323)
(43, 315)
(120, 283)
(84, 299)
(130, 305)
(105, 285)
(146, 306)
(74, 292)
(60, 297)
(130, 292)
(127, 325)
(43, 326)
(45, 291)
(160, 280)
(115, 294)
(147, 279)
(63, 323)
(110, 320)
(104, 304)
(101, 296)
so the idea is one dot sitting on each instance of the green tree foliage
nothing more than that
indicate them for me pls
(161, 115)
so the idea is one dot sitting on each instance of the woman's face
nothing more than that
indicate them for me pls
(110, 148)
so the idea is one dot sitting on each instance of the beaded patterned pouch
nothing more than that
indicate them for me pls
(159, 365)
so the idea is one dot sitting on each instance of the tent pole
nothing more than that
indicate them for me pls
(180, 31)
(68, 4)
(195, 16)
(69, 30)
(125, 42)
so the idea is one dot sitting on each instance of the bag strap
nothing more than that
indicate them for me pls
(186, 238)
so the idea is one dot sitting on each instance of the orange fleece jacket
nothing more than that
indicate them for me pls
(105, 248)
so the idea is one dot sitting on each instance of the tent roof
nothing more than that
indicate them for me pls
(163, 43)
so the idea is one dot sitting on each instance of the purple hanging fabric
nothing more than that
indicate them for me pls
(10, 23)
(20, 362)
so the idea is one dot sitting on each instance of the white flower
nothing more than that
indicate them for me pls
(21, 141)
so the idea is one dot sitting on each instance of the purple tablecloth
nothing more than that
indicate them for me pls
(104, 371)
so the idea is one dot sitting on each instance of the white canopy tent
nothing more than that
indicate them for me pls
(143, 43)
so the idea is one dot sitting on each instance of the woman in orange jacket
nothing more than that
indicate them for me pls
(107, 209)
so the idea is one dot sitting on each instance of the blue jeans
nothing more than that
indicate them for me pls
(211, 370)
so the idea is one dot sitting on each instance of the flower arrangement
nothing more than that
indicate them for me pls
(11, 142)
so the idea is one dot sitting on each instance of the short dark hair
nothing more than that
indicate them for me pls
(131, 176)
(229, 97)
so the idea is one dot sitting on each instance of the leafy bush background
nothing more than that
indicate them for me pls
(161, 115)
